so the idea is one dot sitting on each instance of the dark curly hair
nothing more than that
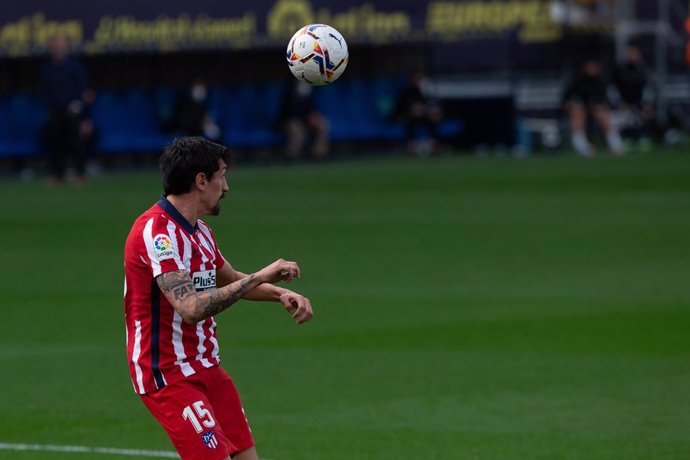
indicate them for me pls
(186, 157)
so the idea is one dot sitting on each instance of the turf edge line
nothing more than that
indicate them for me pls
(88, 450)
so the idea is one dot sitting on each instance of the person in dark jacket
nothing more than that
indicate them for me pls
(299, 117)
(63, 86)
(416, 110)
(586, 95)
(192, 116)
(631, 77)
(637, 101)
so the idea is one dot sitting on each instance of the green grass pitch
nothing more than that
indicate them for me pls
(466, 308)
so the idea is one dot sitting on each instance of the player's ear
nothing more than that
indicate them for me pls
(201, 181)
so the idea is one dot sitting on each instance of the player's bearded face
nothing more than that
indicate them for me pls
(215, 210)
(219, 186)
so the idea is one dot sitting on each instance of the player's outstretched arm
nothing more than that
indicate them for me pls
(194, 306)
(296, 304)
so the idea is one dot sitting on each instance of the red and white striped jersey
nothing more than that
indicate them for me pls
(161, 347)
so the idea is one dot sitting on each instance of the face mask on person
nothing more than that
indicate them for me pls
(198, 93)
(303, 89)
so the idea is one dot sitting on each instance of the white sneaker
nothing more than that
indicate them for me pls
(615, 143)
(582, 146)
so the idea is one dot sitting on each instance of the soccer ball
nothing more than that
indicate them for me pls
(317, 54)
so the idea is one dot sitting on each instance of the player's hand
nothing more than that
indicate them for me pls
(280, 270)
(298, 306)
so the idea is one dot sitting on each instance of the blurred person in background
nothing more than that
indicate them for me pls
(300, 118)
(416, 110)
(63, 88)
(192, 117)
(631, 78)
(631, 81)
(637, 102)
(585, 96)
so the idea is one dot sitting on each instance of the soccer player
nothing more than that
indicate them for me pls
(176, 281)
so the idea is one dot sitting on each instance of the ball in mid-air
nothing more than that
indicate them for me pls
(317, 54)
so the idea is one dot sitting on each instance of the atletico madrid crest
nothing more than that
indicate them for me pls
(209, 439)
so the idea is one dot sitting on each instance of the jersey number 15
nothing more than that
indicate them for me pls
(198, 416)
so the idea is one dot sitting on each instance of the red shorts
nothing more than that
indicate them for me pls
(202, 415)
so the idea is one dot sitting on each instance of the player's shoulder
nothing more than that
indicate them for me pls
(153, 216)
(151, 222)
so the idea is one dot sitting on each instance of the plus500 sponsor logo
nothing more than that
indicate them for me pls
(204, 280)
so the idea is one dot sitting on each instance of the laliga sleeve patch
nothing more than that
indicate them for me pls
(162, 247)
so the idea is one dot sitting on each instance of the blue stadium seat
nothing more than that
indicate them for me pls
(249, 114)
(218, 98)
(110, 115)
(6, 136)
(359, 109)
(22, 118)
(363, 120)
(165, 100)
(450, 128)
(383, 93)
(332, 101)
(128, 122)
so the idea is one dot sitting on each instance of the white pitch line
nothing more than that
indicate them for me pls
(88, 450)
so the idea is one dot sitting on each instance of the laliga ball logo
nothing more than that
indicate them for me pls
(317, 54)
(162, 242)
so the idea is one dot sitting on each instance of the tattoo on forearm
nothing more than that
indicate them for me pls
(178, 286)
(176, 282)
(218, 300)
(182, 291)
